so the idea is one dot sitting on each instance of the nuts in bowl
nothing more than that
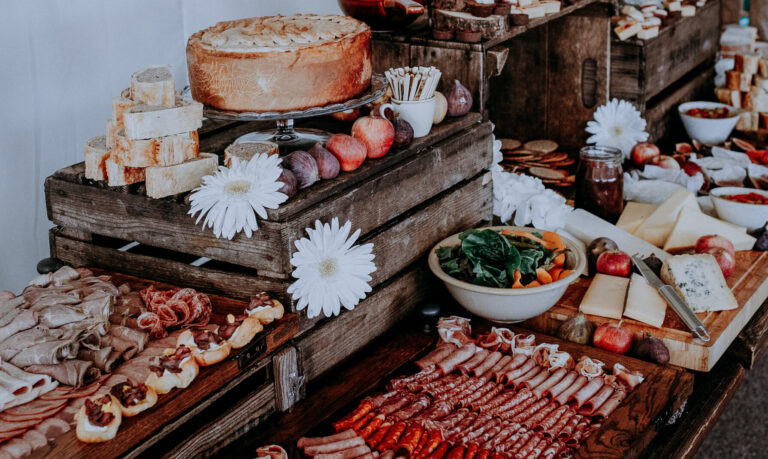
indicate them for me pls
(507, 273)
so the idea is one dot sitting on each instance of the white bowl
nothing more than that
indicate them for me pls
(750, 216)
(507, 304)
(706, 130)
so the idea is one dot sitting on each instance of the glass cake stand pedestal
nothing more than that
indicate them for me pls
(286, 136)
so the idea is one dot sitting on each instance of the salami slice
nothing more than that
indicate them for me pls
(479, 393)
(551, 419)
(539, 416)
(475, 360)
(487, 397)
(552, 450)
(527, 449)
(561, 423)
(489, 362)
(569, 427)
(517, 441)
(528, 412)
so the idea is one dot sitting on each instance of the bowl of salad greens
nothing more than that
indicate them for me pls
(507, 273)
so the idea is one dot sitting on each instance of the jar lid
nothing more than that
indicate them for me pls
(600, 153)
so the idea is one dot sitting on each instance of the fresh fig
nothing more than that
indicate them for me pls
(597, 247)
(304, 167)
(762, 242)
(403, 133)
(289, 183)
(652, 349)
(459, 100)
(327, 164)
(577, 329)
(653, 263)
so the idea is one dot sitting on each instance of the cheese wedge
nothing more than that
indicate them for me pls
(644, 303)
(688, 11)
(587, 227)
(165, 181)
(656, 228)
(550, 6)
(635, 214)
(691, 225)
(605, 296)
(699, 281)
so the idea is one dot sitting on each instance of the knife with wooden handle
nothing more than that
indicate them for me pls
(670, 295)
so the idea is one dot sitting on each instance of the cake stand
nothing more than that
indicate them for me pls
(286, 136)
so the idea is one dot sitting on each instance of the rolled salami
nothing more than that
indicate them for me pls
(440, 353)
(458, 356)
(607, 408)
(509, 376)
(534, 382)
(496, 370)
(553, 379)
(562, 385)
(577, 384)
(476, 360)
(489, 362)
(597, 400)
(529, 375)
(589, 389)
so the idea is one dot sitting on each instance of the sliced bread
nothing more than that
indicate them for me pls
(170, 180)
(159, 151)
(244, 151)
(154, 86)
(96, 154)
(148, 121)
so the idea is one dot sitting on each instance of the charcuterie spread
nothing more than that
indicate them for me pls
(77, 350)
(495, 395)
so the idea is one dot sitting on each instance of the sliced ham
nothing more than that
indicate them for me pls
(35, 407)
(475, 360)
(577, 384)
(596, 401)
(553, 379)
(69, 372)
(562, 385)
(489, 362)
(14, 427)
(21, 320)
(535, 381)
(496, 371)
(57, 315)
(98, 305)
(441, 352)
(137, 338)
(589, 389)
(460, 355)
(525, 377)
(511, 375)
(99, 357)
(17, 447)
(64, 393)
(50, 352)
(610, 405)
(37, 417)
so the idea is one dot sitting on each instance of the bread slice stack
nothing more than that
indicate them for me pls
(152, 137)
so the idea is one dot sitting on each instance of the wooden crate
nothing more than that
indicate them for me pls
(406, 193)
(641, 69)
(525, 79)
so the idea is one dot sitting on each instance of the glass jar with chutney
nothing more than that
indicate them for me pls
(600, 182)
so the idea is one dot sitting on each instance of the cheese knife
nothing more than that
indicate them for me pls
(670, 295)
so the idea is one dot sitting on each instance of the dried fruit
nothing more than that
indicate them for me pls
(441, 107)
(576, 329)
(327, 164)
(459, 100)
(652, 349)
(304, 167)
(289, 183)
(403, 133)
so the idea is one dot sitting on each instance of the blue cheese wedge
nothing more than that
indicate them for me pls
(699, 281)
(605, 296)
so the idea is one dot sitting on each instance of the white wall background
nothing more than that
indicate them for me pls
(61, 62)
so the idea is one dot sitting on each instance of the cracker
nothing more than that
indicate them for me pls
(563, 163)
(545, 173)
(553, 157)
(510, 144)
(541, 146)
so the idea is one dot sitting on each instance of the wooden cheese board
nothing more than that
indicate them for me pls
(625, 433)
(748, 282)
(139, 433)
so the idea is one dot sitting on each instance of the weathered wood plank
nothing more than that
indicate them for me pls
(750, 345)
(332, 341)
(287, 378)
(711, 394)
(389, 54)
(640, 69)
(456, 64)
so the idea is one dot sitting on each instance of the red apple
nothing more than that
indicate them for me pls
(614, 263)
(613, 338)
(693, 169)
(724, 258)
(348, 150)
(681, 159)
(644, 152)
(665, 162)
(713, 241)
(376, 133)
(684, 148)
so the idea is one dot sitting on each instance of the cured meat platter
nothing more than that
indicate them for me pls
(172, 409)
(623, 433)
(748, 283)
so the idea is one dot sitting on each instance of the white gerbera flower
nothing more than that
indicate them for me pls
(617, 124)
(330, 270)
(232, 197)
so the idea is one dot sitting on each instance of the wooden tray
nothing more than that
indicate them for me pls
(749, 283)
(624, 434)
(151, 426)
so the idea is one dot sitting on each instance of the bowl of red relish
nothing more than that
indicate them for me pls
(745, 207)
(710, 123)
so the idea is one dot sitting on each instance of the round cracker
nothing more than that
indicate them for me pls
(541, 146)
(510, 144)
(546, 173)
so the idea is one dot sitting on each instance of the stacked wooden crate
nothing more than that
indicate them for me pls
(403, 203)
(676, 66)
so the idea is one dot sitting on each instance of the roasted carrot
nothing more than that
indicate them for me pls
(554, 241)
(555, 273)
(543, 276)
(533, 284)
(564, 273)
(517, 276)
(559, 260)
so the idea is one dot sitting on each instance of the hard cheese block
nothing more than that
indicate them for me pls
(644, 303)
(634, 215)
(692, 224)
(586, 227)
(699, 281)
(605, 296)
(656, 228)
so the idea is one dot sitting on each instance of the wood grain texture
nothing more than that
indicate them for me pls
(711, 394)
(751, 343)
(173, 409)
(640, 69)
(748, 283)
(286, 371)
(466, 66)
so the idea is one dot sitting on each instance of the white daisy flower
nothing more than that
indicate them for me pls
(617, 124)
(232, 197)
(330, 270)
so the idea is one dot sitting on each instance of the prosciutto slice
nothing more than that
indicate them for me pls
(70, 372)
